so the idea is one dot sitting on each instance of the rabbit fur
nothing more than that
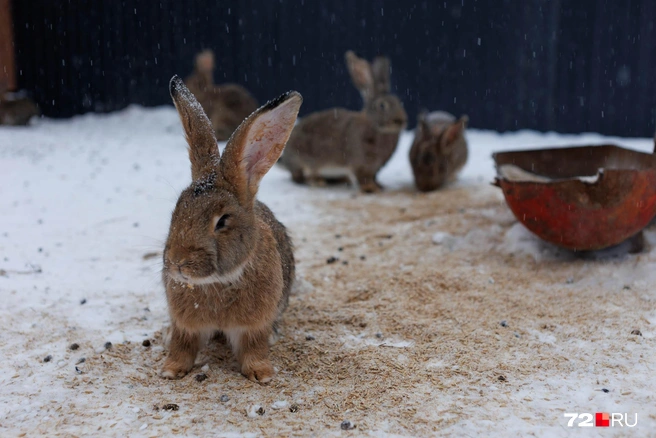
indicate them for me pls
(439, 150)
(228, 264)
(339, 143)
(16, 111)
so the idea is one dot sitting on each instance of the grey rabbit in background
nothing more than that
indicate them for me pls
(341, 144)
(439, 150)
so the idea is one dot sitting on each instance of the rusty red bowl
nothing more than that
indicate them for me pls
(580, 198)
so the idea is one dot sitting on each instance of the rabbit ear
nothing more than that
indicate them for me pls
(454, 132)
(361, 74)
(381, 69)
(258, 143)
(424, 129)
(205, 61)
(203, 150)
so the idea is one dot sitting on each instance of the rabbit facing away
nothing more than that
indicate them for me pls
(339, 143)
(228, 263)
(439, 150)
(226, 105)
(16, 111)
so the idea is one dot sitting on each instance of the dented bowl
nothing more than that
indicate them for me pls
(580, 198)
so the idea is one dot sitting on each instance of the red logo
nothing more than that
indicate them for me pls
(602, 419)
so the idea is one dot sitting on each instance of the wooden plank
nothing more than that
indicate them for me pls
(7, 64)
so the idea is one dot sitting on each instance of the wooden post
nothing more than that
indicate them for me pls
(7, 64)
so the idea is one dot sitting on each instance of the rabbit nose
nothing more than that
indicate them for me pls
(176, 260)
(179, 264)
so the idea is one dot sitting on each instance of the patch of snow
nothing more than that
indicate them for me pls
(255, 411)
(435, 363)
(520, 241)
(352, 341)
(280, 404)
(442, 237)
(591, 179)
(543, 337)
(301, 286)
(515, 173)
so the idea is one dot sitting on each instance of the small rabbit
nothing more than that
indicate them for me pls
(226, 105)
(16, 110)
(228, 263)
(338, 143)
(439, 150)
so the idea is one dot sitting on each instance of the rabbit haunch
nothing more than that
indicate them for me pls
(228, 263)
(14, 109)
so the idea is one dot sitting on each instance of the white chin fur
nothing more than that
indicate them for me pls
(224, 279)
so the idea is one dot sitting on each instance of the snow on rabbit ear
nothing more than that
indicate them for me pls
(260, 141)
(203, 150)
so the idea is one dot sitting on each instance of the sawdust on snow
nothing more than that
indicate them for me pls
(396, 333)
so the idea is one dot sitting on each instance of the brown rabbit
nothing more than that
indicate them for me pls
(439, 150)
(16, 111)
(337, 143)
(226, 105)
(228, 263)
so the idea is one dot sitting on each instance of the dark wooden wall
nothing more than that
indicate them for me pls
(568, 66)
(7, 63)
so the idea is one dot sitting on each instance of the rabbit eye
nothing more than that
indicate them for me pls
(221, 223)
(428, 159)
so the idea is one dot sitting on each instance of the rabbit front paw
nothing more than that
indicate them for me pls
(173, 370)
(260, 371)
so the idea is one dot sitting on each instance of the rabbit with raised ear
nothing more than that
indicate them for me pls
(16, 111)
(226, 105)
(228, 263)
(439, 150)
(338, 143)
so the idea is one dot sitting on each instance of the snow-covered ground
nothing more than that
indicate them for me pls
(85, 209)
